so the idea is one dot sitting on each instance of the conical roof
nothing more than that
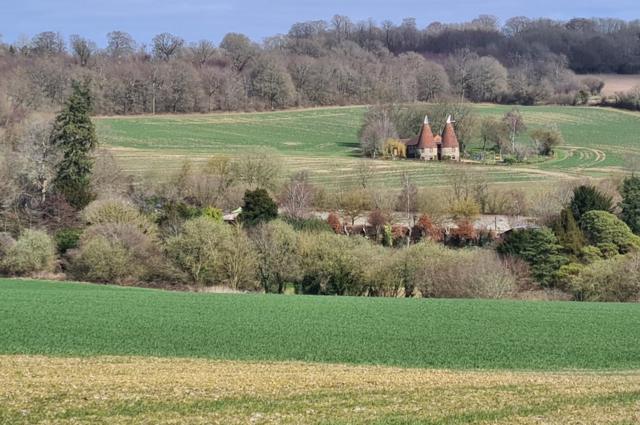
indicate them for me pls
(425, 138)
(449, 138)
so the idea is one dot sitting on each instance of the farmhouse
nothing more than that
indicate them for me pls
(428, 147)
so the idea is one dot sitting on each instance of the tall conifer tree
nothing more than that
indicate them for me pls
(75, 136)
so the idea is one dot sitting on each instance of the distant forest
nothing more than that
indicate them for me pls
(318, 63)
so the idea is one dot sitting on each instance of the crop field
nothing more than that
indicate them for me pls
(78, 319)
(136, 390)
(324, 141)
(614, 83)
(74, 353)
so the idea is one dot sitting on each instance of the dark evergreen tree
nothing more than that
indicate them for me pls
(539, 248)
(568, 233)
(588, 198)
(258, 207)
(630, 204)
(74, 135)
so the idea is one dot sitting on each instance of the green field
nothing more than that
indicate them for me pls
(74, 353)
(81, 320)
(324, 141)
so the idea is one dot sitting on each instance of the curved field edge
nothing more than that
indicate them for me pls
(67, 319)
(132, 390)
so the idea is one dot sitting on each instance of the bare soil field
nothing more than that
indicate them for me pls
(616, 83)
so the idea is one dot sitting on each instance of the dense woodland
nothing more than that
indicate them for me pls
(322, 63)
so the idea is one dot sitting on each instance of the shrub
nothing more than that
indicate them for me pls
(196, 251)
(465, 208)
(331, 266)
(617, 279)
(116, 253)
(630, 204)
(238, 268)
(441, 272)
(117, 211)
(590, 254)
(568, 233)
(33, 252)
(588, 198)
(100, 260)
(213, 213)
(546, 139)
(601, 227)
(394, 148)
(67, 239)
(428, 229)
(172, 215)
(539, 248)
(334, 222)
(6, 243)
(258, 207)
(308, 224)
(464, 234)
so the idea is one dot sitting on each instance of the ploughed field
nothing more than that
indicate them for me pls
(325, 142)
(80, 353)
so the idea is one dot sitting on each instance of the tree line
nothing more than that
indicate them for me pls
(68, 209)
(321, 63)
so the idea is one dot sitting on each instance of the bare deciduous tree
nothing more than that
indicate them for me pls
(82, 49)
(166, 45)
(297, 195)
(120, 44)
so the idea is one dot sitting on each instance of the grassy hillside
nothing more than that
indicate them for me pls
(78, 320)
(324, 141)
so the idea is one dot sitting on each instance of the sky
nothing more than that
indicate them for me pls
(211, 19)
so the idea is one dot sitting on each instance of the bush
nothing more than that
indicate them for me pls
(6, 243)
(546, 139)
(67, 239)
(440, 272)
(617, 279)
(539, 248)
(334, 222)
(630, 204)
(117, 211)
(465, 208)
(116, 253)
(33, 252)
(588, 198)
(601, 227)
(308, 224)
(331, 265)
(258, 207)
(196, 251)
(238, 266)
(568, 233)
(213, 213)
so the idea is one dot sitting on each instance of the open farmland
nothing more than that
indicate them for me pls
(78, 320)
(85, 354)
(614, 83)
(324, 141)
(135, 390)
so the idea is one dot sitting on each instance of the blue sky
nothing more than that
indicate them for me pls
(197, 19)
